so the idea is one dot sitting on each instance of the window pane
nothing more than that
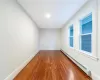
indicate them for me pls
(87, 19)
(87, 28)
(71, 31)
(86, 42)
(71, 41)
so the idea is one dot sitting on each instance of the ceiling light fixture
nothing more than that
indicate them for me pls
(48, 15)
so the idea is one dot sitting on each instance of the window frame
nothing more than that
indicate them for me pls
(80, 35)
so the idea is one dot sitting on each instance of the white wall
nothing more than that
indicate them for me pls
(85, 60)
(19, 37)
(49, 39)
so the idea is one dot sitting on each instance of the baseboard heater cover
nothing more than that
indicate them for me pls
(84, 68)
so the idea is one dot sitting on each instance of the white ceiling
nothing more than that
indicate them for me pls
(61, 11)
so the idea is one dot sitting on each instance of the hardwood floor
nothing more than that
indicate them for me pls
(51, 65)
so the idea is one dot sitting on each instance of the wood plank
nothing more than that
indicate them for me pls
(51, 65)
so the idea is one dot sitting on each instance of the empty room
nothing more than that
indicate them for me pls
(50, 39)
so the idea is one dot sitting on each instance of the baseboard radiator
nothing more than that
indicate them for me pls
(85, 69)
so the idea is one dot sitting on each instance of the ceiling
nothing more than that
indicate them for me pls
(60, 10)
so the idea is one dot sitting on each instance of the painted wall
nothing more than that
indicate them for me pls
(49, 39)
(19, 37)
(90, 62)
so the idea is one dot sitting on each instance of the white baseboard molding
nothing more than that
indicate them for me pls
(82, 67)
(17, 70)
(95, 76)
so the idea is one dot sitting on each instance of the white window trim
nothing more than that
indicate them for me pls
(87, 54)
(86, 34)
(80, 30)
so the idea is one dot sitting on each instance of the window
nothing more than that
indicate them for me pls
(71, 36)
(86, 34)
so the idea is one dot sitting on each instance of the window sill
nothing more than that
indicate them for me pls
(87, 54)
(71, 47)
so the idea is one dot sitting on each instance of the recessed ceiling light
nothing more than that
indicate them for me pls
(47, 15)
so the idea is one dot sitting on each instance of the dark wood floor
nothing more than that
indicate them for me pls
(51, 65)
